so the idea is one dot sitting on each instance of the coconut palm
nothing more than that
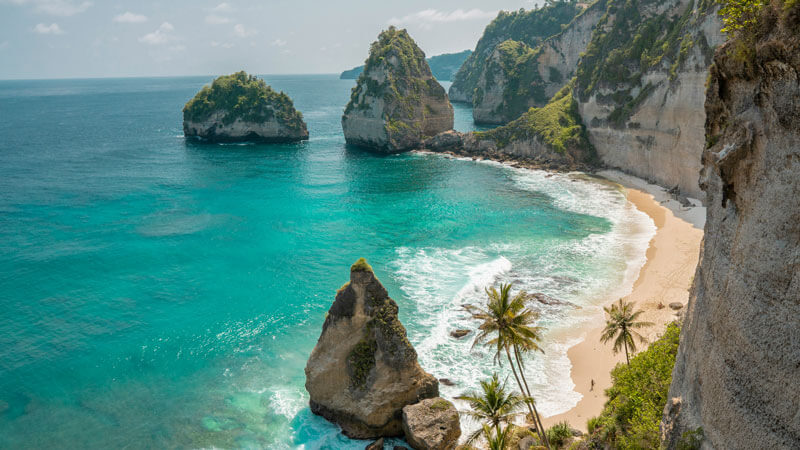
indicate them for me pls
(507, 325)
(492, 407)
(621, 327)
(500, 439)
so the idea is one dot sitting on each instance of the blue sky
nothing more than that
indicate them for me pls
(94, 38)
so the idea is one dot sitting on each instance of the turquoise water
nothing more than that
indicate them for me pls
(164, 293)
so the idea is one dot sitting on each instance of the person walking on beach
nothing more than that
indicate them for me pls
(592, 388)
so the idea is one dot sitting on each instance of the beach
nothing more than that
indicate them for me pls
(665, 278)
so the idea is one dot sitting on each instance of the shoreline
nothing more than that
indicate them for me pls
(672, 257)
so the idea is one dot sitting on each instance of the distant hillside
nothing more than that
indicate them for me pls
(443, 66)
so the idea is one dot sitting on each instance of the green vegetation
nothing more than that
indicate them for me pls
(741, 15)
(360, 266)
(507, 325)
(621, 327)
(440, 405)
(559, 434)
(245, 97)
(528, 27)
(494, 406)
(558, 125)
(636, 399)
(361, 361)
(443, 66)
(517, 62)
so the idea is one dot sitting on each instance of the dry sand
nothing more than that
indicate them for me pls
(665, 278)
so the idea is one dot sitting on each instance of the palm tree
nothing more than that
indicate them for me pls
(500, 439)
(621, 326)
(492, 407)
(508, 325)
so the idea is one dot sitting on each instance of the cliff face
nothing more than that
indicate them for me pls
(443, 66)
(516, 77)
(641, 86)
(363, 370)
(240, 107)
(738, 364)
(528, 27)
(396, 102)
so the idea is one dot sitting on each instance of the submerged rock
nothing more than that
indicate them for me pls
(363, 370)
(241, 107)
(431, 424)
(377, 445)
(396, 102)
(458, 334)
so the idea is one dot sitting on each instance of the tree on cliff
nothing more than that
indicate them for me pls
(493, 407)
(621, 326)
(507, 325)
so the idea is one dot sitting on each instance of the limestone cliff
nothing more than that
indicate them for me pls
(640, 88)
(396, 102)
(241, 107)
(738, 364)
(363, 370)
(530, 27)
(516, 77)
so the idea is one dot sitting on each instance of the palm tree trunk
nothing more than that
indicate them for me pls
(537, 418)
(627, 358)
(539, 430)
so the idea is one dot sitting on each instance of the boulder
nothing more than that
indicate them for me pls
(397, 102)
(363, 370)
(676, 305)
(431, 424)
(458, 334)
(241, 107)
(377, 445)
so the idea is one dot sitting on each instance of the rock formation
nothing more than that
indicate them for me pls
(738, 365)
(640, 88)
(443, 67)
(396, 102)
(363, 370)
(431, 424)
(241, 107)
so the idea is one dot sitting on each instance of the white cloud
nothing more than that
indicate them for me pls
(427, 17)
(222, 8)
(221, 44)
(53, 28)
(55, 7)
(240, 31)
(130, 17)
(161, 36)
(214, 19)
(278, 43)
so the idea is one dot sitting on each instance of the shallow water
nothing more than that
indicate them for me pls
(164, 293)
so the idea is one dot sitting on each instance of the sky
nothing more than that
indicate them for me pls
(95, 38)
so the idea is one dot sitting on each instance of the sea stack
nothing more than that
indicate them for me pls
(396, 102)
(241, 107)
(363, 370)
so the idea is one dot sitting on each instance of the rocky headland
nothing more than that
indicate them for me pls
(736, 373)
(443, 67)
(241, 107)
(397, 102)
(363, 370)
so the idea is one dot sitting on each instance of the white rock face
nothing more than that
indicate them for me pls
(214, 129)
(663, 140)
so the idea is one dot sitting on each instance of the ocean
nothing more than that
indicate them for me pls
(164, 293)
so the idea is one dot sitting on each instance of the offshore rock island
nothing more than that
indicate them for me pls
(241, 107)
(397, 102)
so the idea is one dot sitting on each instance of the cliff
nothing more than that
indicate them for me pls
(640, 88)
(241, 107)
(363, 370)
(396, 102)
(443, 67)
(528, 27)
(516, 77)
(738, 364)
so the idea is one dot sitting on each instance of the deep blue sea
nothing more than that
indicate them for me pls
(162, 293)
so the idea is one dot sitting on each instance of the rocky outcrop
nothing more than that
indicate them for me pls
(517, 77)
(363, 370)
(443, 67)
(431, 424)
(241, 107)
(396, 102)
(738, 364)
(643, 109)
(530, 27)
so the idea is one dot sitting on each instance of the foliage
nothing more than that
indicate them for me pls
(442, 66)
(529, 27)
(636, 398)
(558, 125)
(361, 361)
(242, 96)
(516, 61)
(498, 439)
(740, 15)
(559, 434)
(361, 266)
(494, 406)
(621, 327)
(691, 440)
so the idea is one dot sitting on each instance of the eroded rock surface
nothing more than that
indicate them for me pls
(363, 370)
(431, 424)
